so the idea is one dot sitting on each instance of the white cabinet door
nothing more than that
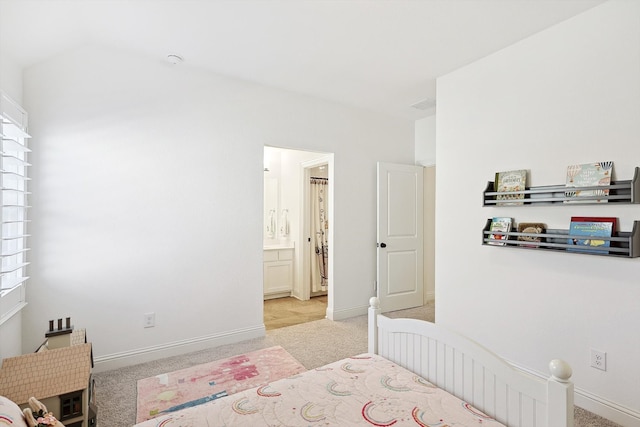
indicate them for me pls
(278, 277)
(278, 271)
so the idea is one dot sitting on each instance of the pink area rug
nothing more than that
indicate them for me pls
(200, 384)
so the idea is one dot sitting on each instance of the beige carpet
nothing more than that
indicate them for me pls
(313, 344)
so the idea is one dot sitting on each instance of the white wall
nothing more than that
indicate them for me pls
(425, 155)
(10, 334)
(425, 140)
(148, 184)
(429, 227)
(11, 77)
(570, 94)
(10, 324)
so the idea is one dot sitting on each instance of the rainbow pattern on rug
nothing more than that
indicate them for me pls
(200, 384)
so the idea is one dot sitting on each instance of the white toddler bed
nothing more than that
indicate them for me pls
(415, 374)
(474, 374)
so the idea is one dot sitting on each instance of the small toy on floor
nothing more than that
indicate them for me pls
(38, 416)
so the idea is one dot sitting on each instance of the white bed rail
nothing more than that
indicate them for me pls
(472, 373)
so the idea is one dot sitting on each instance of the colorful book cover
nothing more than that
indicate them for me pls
(514, 180)
(499, 224)
(612, 220)
(591, 231)
(588, 175)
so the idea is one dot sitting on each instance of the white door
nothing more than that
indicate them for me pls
(400, 236)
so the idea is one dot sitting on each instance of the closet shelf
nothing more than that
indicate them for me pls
(622, 244)
(623, 192)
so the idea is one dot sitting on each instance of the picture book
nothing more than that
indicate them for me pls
(593, 233)
(612, 220)
(509, 181)
(499, 224)
(531, 228)
(588, 175)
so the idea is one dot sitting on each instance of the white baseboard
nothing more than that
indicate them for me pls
(429, 297)
(278, 295)
(346, 313)
(612, 411)
(351, 312)
(605, 408)
(148, 354)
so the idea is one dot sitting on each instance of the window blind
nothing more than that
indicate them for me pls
(14, 178)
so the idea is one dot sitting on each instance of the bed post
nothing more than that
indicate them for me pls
(559, 395)
(374, 310)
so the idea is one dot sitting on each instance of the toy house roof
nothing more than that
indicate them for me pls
(46, 374)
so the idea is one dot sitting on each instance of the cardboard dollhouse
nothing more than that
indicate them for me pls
(58, 374)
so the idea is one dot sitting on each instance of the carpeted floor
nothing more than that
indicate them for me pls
(313, 344)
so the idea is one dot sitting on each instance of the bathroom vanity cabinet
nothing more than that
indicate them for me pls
(278, 272)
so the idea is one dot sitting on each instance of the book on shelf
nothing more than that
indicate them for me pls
(531, 228)
(588, 175)
(509, 181)
(592, 231)
(499, 223)
(612, 220)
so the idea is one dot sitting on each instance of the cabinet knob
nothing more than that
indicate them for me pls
(383, 245)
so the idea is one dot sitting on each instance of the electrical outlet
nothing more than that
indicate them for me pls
(599, 359)
(149, 320)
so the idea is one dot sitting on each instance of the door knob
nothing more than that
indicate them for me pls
(383, 245)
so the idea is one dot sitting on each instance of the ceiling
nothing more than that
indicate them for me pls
(381, 55)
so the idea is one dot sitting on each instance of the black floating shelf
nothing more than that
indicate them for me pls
(623, 192)
(622, 244)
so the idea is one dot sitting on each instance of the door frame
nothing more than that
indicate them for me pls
(304, 278)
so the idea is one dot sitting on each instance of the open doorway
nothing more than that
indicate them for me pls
(293, 257)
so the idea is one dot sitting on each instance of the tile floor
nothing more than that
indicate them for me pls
(281, 312)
